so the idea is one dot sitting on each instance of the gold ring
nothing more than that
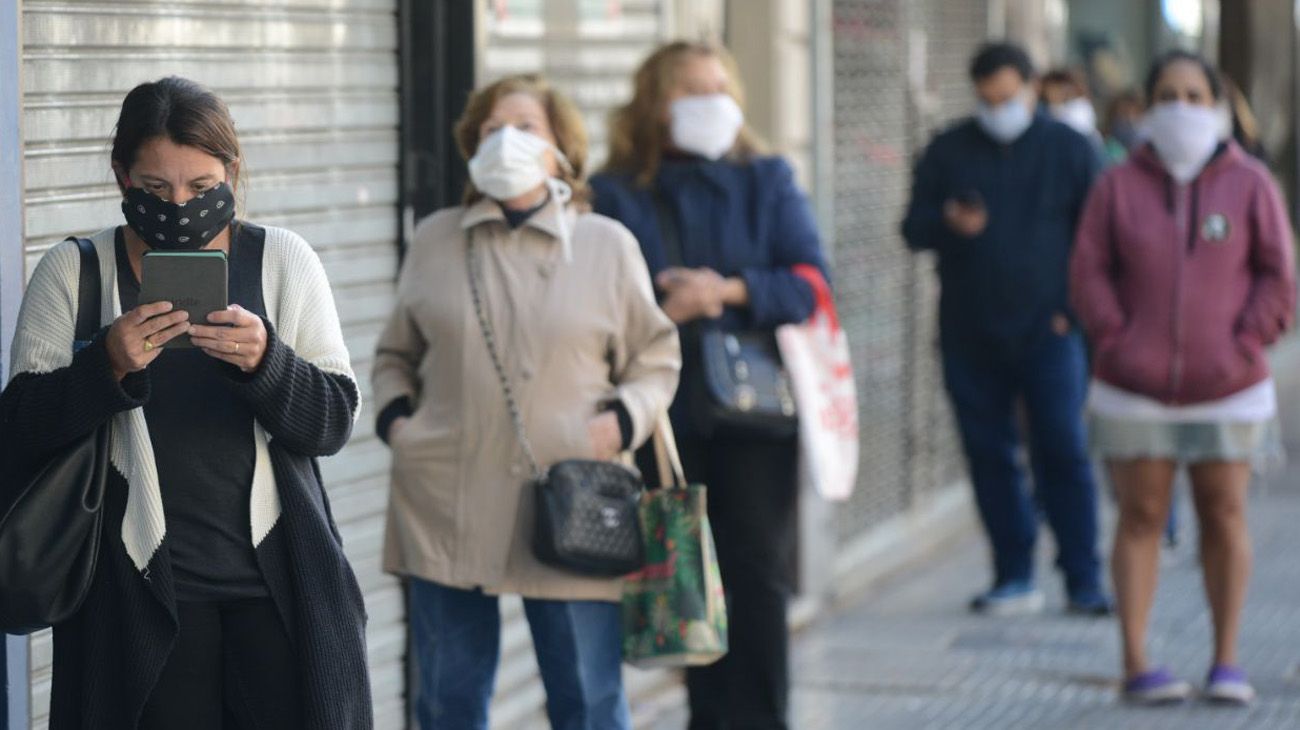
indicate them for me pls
(148, 346)
(236, 348)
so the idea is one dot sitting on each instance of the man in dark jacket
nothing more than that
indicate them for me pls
(997, 197)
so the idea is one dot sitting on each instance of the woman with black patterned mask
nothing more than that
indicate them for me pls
(221, 598)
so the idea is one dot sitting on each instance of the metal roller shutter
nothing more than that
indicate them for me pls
(313, 86)
(588, 49)
(899, 73)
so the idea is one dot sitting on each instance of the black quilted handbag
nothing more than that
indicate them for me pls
(586, 511)
(49, 535)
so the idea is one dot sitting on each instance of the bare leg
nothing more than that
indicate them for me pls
(1143, 488)
(1220, 492)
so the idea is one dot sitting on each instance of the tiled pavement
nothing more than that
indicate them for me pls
(906, 655)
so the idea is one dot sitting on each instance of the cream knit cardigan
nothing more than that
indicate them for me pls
(299, 304)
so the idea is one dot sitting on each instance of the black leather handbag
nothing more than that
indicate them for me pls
(743, 387)
(586, 511)
(49, 535)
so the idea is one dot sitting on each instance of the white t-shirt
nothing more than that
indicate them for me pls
(1252, 405)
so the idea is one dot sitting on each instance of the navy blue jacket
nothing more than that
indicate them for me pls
(1001, 288)
(739, 219)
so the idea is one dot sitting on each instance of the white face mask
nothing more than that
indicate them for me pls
(510, 162)
(705, 125)
(1006, 121)
(1184, 135)
(1079, 114)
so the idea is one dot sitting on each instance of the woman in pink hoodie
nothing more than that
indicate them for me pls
(1182, 273)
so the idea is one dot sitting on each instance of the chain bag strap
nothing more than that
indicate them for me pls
(586, 510)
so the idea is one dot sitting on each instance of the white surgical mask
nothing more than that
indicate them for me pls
(705, 125)
(1006, 121)
(1184, 135)
(1079, 114)
(510, 162)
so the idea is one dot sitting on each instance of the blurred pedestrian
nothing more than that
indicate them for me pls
(997, 197)
(1182, 273)
(593, 362)
(1240, 119)
(723, 227)
(204, 612)
(1064, 93)
(1121, 125)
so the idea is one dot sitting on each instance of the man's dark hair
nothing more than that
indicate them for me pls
(993, 57)
(1171, 57)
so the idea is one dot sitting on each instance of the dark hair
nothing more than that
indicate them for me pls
(1071, 77)
(993, 57)
(1169, 58)
(180, 110)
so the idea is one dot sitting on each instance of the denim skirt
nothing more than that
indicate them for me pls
(1121, 439)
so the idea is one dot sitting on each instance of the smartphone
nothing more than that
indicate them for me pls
(970, 198)
(195, 281)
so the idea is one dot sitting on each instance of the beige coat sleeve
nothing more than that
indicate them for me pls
(647, 356)
(401, 348)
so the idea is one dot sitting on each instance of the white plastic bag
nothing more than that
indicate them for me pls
(816, 354)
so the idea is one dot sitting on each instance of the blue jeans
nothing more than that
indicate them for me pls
(1051, 378)
(457, 637)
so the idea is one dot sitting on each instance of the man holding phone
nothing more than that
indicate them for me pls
(997, 196)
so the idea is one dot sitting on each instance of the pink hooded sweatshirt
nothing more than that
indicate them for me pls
(1180, 287)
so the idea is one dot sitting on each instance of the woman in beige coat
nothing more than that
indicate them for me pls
(594, 363)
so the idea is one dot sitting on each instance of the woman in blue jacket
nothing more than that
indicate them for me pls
(722, 228)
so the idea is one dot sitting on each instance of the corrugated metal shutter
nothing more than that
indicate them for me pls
(899, 70)
(313, 85)
(589, 49)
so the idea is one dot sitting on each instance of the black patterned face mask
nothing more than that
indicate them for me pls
(188, 226)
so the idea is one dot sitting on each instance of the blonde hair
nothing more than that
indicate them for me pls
(637, 133)
(561, 114)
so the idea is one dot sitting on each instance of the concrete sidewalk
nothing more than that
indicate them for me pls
(905, 654)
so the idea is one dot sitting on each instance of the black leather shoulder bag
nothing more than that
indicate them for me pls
(49, 535)
(586, 513)
(742, 386)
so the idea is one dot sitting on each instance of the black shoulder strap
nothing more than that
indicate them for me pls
(669, 234)
(88, 300)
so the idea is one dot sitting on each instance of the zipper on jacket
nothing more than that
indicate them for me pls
(1176, 355)
(1192, 228)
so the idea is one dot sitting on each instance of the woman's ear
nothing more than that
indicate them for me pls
(123, 179)
(232, 175)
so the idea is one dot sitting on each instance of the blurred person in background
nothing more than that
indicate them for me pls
(594, 363)
(1182, 273)
(222, 597)
(1241, 120)
(722, 227)
(1064, 93)
(1121, 125)
(997, 197)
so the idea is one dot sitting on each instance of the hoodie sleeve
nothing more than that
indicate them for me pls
(923, 226)
(1092, 265)
(1270, 307)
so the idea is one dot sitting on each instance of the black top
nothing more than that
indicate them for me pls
(203, 446)
(516, 218)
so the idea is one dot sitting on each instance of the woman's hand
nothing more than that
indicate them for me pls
(605, 436)
(397, 426)
(136, 338)
(691, 293)
(242, 343)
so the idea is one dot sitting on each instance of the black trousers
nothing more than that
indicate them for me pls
(752, 507)
(232, 667)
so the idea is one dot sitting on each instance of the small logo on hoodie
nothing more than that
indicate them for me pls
(1216, 228)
